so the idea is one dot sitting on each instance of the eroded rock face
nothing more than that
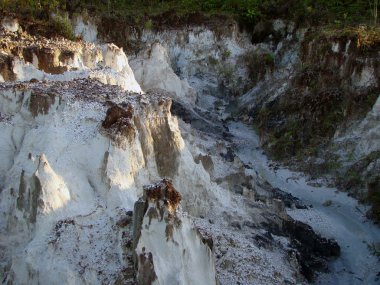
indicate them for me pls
(206, 57)
(155, 130)
(152, 70)
(25, 57)
(119, 122)
(165, 238)
(28, 197)
(29, 102)
(85, 28)
(146, 274)
(40, 103)
(49, 60)
(68, 155)
(76, 156)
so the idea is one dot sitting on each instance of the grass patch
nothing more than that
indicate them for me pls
(226, 54)
(148, 25)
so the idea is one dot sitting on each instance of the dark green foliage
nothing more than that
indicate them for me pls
(35, 8)
(49, 11)
(62, 25)
(248, 11)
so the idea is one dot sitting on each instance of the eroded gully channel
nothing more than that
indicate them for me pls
(344, 220)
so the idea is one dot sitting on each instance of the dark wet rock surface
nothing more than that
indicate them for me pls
(313, 252)
(288, 199)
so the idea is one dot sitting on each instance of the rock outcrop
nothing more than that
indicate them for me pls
(207, 57)
(169, 249)
(152, 70)
(85, 28)
(68, 154)
(313, 252)
(25, 57)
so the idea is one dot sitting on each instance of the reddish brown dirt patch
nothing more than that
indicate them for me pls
(40, 103)
(118, 121)
(165, 191)
(6, 68)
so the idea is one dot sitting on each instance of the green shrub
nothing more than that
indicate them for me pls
(62, 25)
(148, 25)
(226, 72)
(226, 54)
(34, 8)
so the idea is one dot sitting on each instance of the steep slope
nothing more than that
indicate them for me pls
(62, 164)
(323, 118)
(77, 153)
(75, 156)
(152, 70)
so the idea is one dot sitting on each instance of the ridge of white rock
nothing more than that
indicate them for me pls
(152, 70)
(97, 160)
(205, 58)
(86, 29)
